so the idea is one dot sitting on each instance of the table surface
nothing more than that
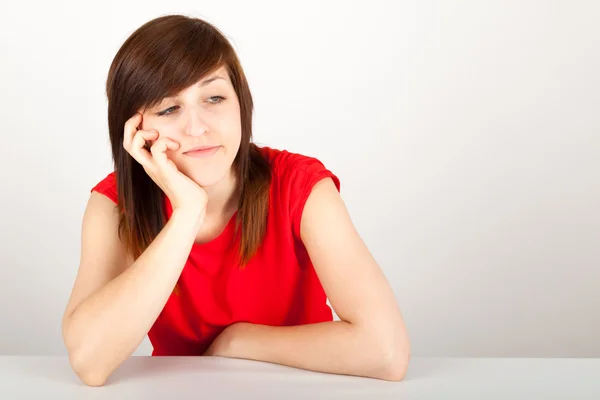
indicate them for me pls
(216, 378)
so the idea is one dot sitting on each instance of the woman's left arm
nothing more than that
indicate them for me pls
(370, 340)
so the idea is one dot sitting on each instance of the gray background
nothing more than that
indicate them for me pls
(465, 135)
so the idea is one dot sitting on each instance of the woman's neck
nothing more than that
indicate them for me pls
(223, 197)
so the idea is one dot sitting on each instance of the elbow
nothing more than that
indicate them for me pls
(87, 370)
(394, 357)
(395, 369)
(93, 380)
(82, 361)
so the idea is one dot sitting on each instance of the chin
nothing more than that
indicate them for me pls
(207, 172)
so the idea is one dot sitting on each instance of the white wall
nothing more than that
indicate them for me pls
(465, 135)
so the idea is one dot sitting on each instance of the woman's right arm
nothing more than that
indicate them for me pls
(115, 301)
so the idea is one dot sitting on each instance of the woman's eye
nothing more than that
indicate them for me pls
(168, 111)
(165, 112)
(221, 98)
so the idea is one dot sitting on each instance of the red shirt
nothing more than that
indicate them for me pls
(278, 287)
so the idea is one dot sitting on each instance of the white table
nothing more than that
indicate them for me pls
(220, 378)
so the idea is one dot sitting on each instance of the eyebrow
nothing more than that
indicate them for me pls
(209, 80)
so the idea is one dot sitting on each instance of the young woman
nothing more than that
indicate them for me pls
(210, 244)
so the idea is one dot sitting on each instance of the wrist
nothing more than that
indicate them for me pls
(188, 216)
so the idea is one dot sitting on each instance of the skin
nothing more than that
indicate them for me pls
(115, 300)
(198, 117)
(371, 338)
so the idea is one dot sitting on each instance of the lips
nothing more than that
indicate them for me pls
(200, 148)
(202, 152)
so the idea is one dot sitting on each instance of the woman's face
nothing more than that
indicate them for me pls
(204, 114)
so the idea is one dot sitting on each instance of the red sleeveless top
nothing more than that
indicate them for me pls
(278, 287)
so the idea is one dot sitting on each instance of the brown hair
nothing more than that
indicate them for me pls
(160, 59)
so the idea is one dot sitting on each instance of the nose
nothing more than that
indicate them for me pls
(195, 123)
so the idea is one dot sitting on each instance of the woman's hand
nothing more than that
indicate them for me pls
(183, 193)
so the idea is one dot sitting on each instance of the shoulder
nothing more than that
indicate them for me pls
(294, 176)
(294, 168)
(108, 187)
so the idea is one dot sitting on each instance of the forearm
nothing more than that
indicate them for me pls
(108, 326)
(334, 347)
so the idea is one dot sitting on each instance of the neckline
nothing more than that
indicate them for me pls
(222, 240)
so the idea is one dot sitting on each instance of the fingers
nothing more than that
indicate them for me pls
(159, 149)
(141, 137)
(136, 142)
(130, 129)
(138, 146)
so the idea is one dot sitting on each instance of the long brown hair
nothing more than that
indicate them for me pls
(160, 59)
